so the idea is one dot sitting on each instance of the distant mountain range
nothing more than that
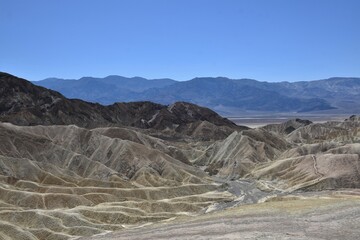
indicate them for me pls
(333, 95)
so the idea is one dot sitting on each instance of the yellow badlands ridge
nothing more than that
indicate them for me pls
(67, 182)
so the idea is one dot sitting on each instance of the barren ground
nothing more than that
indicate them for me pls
(334, 215)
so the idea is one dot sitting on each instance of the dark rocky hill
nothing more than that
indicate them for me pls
(23, 103)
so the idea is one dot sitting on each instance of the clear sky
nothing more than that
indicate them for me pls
(269, 40)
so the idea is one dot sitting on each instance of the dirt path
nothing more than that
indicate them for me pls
(316, 169)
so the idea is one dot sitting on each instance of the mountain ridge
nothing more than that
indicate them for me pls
(221, 94)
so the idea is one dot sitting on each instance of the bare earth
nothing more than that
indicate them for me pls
(334, 216)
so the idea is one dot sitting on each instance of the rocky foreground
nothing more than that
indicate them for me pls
(71, 169)
(334, 216)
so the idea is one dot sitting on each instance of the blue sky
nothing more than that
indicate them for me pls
(277, 40)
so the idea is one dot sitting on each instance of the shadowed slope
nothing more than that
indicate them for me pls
(312, 156)
(287, 127)
(235, 156)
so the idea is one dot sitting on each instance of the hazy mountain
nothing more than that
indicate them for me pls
(342, 93)
(219, 93)
(239, 94)
(106, 90)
